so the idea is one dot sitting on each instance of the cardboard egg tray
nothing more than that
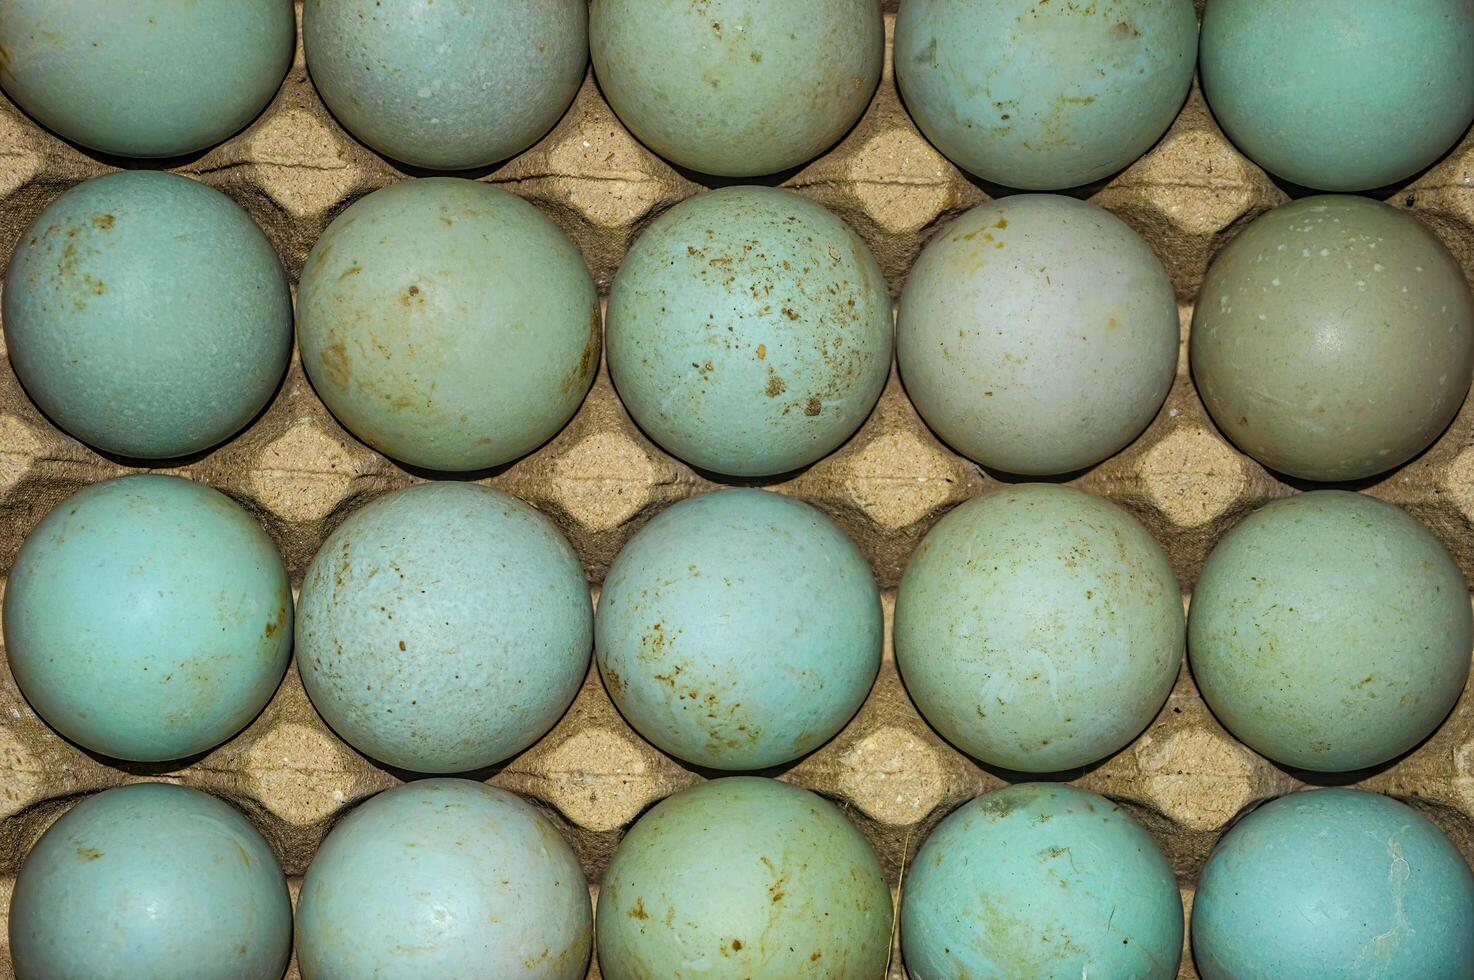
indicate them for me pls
(601, 479)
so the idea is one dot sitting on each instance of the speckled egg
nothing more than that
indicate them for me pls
(1330, 631)
(742, 878)
(1039, 628)
(145, 78)
(1340, 96)
(447, 86)
(1333, 338)
(148, 618)
(739, 630)
(448, 323)
(1040, 880)
(1044, 96)
(1037, 334)
(444, 878)
(1334, 883)
(443, 627)
(147, 314)
(749, 331)
(737, 87)
(151, 880)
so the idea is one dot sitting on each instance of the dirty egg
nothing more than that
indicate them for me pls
(1037, 334)
(148, 618)
(1330, 631)
(443, 627)
(1041, 880)
(448, 323)
(1333, 339)
(147, 314)
(1340, 96)
(749, 331)
(1042, 95)
(739, 878)
(444, 878)
(151, 880)
(1334, 883)
(1039, 628)
(737, 87)
(447, 86)
(146, 78)
(739, 630)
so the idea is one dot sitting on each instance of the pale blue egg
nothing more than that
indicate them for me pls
(443, 627)
(447, 86)
(148, 618)
(151, 880)
(1045, 95)
(147, 314)
(448, 323)
(739, 630)
(145, 78)
(1334, 884)
(749, 331)
(444, 878)
(742, 878)
(1040, 880)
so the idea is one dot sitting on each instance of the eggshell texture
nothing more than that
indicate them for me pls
(1334, 884)
(448, 324)
(1044, 96)
(447, 86)
(1038, 334)
(151, 880)
(1333, 338)
(749, 331)
(147, 315)
(443, 627)
(739, 630)
(737, 87)
(444, 878)
(1338, 96)
(148, 618)
(1039, 628)
(1040, 880)
(1330, 631)
(145, 78)
(741, 878)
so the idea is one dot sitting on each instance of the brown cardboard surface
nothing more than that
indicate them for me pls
(600, 479)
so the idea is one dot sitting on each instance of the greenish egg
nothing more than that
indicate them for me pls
(147, 314)
(749, 331)
(444, 878)
(148, 618)
(1039, 628)
(1334, 884)
(448, 324)
(1044, 96)
(1333, 338)
(443, 627)
(1038, 334)
(150, 880)
(737, 87)
(447, 86)
(1330, 631)
(145, 78)
(1040, 880)
(1340, 96)
(739, 630)
(741, 878)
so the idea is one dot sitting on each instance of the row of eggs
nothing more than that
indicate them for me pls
(452, 326)
(1027, 94)
(735, 879)
(445, 627)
